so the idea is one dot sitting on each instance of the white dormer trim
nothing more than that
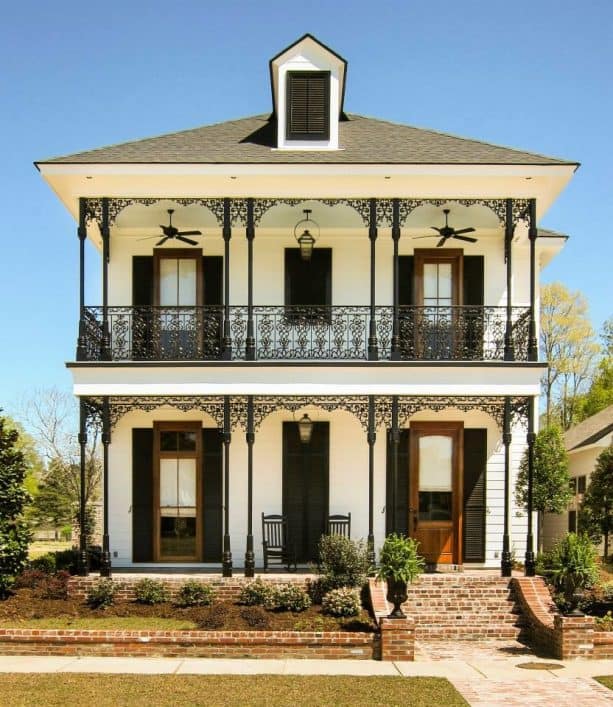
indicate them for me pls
(307, 54)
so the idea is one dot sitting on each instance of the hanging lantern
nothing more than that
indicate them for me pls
(305, 429)
(306, 240)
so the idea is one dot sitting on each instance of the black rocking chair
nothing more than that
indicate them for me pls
(275, 541)
(339, 525)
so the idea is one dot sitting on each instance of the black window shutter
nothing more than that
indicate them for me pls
(142, 299)
(402, 485)
(308, 282)
(212, 521)
(142, 280)
(475, 507)
(472, 287)
(406, 280)
(308, 101)
(142, 495)
(473, 280)
(212, 273)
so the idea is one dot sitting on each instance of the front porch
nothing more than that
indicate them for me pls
(365, 458)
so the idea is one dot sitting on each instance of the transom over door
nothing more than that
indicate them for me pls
(435, 490)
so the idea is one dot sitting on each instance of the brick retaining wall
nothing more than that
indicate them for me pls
(225, 588)
(195, 644)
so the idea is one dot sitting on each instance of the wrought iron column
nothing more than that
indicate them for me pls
(372, 438)
(226, 353)
(373, 346)
(83, 563)
(395, 352)
(82, 234)
(509, 354)
(106, 254)
(226, 561)
(506, 565)
(105, 563)
(532, 235)
(250, 436)
(395, 447)
(250, 232)
(529, 563)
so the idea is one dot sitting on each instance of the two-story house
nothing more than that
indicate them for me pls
(310, 313)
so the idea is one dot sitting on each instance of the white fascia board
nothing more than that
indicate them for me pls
(306, 380)
(307, 169)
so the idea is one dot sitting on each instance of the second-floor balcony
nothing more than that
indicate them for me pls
(304, 333)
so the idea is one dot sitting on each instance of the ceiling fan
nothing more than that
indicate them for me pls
(171, 231)
(448, 232)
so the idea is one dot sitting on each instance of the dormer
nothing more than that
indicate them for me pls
(308, 86)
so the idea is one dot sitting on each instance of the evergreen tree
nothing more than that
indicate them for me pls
(14, 532)
(597, 506)
(550, 483)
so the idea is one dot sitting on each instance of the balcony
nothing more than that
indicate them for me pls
(319, 333)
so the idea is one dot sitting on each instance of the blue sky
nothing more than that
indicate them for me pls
(530, 74)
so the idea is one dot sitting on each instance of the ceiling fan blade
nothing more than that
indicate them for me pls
(464, 230)
(186, 240)
(441, 242)
(146, 238)
(436, 228)
(432, 236)
(161, 242)
(189, 233)
(468, 239)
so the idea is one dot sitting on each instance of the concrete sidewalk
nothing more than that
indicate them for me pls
(482, 682)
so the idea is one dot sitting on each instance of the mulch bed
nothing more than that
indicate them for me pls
(25, 604)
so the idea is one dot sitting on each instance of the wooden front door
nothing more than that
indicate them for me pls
(305, 488)
(435, 486)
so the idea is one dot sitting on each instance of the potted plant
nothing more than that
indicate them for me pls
(399, 565)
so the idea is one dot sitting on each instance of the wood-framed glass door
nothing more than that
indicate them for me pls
(438, 288)
(177, 494)
(435, 490)
(178, 296)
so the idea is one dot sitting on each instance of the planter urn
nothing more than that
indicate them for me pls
(396, 595)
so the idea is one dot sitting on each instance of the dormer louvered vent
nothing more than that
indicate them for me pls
(308, 105)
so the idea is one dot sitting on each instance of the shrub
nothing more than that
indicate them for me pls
(44, 563)
(571, 565)
(67, 560)
(605, 623)
(55, 585)
(102, 594)
(194, 593)
(150, 591)
(29, 579)
(256, 593)
(342, 562)
(399, 559)
(341, 602)
(255, 617)
(213, 617)
(288, 597)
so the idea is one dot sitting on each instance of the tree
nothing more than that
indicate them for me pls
(550, 483)
(598, 500)
(14, 532)
(600, 393)
(51, 415)
(568, 344)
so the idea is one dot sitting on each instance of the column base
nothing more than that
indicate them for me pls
(83, 563)
(506, 565)
(529, 565)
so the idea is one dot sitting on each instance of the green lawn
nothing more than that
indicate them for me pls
(224, 690)
(104, 623)
(42, 547)
(606, 680)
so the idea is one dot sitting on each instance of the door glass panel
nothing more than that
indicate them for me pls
(186, 287)
(430, 285)
(178, 507)
(435, 477)
(444, 282)
(168, 282)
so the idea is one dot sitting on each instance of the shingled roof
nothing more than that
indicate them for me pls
(363, 141)
(590, 430)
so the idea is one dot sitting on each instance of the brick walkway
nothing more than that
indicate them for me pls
(558, 692)
(470, 650)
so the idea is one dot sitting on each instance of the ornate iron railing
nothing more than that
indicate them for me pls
(152, 333)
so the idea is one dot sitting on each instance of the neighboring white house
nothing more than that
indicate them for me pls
(584, 443)
(407, 336)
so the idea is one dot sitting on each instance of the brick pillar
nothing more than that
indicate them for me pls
(573, 636)
(397, 639)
